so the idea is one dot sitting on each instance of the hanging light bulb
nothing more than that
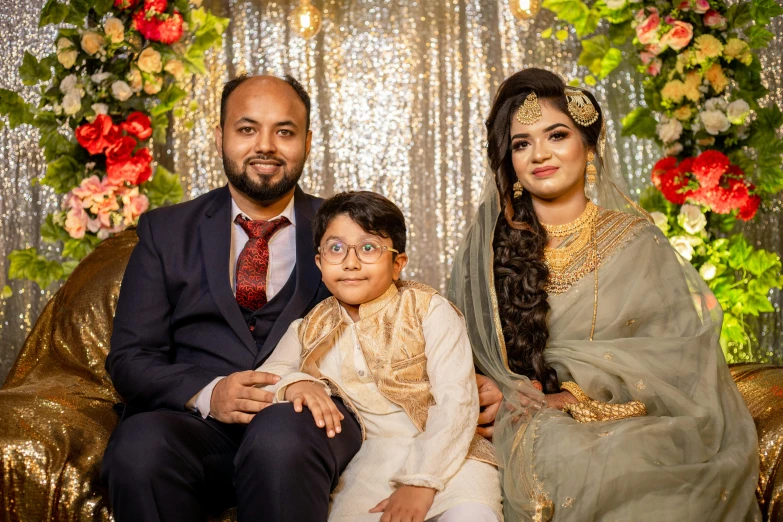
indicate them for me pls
(305, 20)
(524, 9)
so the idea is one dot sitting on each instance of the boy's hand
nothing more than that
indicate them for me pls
(490, 398)
(407, 504)
(313, 395)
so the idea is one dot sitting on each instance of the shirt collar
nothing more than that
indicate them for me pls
(287, 212)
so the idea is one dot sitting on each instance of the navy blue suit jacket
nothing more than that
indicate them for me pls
(177, 324)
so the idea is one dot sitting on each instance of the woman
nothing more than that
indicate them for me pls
(587, 311)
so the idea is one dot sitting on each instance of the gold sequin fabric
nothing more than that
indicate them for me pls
(761, 386)
(612, 230)
(57, 403)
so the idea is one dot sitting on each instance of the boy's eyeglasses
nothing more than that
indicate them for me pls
(335, 252)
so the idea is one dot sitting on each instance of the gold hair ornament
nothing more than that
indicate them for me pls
(581, 108)
(530, 111)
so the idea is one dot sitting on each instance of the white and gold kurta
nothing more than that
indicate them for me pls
(395, 451)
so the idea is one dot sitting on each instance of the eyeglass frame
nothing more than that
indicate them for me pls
(348, 249)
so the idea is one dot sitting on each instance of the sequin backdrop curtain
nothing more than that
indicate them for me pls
(400, 91)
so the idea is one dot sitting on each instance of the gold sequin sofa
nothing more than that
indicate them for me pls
(57, 404)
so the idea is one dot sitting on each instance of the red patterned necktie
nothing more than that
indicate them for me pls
(253, 262)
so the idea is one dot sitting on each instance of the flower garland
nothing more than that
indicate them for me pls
(106, 91)
(702, 87)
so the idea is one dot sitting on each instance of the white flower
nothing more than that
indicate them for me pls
(99, 77)
(66, 54)
(715, 122)
(615, 4)
(91, 42)
(669, 130)
(683, 246)
(715, 104)
(72, 102)
(68, 83)
(100, 108)
(691, 219)
(114, 30)
(660, 220)
(737, 112)
(674, 149)
(149, 61)
(121, 90)
(175, 68)
(708, 271)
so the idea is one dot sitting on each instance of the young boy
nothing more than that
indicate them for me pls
(398, 355)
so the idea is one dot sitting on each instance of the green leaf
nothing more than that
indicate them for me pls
(758, 37)
(163, 188)
(17, 110)
(562, 35)
(32, 71)
(546, 33)
(570, 11)
(732, 329)
(52, 233)
(63, 174)
(760, 261)
(69, 267)
(79, 248)
(102, 7)
(593, 51)
(168, 99)
(763, 11)
(738, 15)
(609, 62)
(641, 123)
(739, 251)
(56, 145)
(28, 264)
(587, 24)
(7, 292)
(620, 33)
(160, 126)
(770, 118)
(757, 304)
(53, 13)
(590, 80)
(78, 12)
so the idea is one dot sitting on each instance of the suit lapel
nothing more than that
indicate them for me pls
(308, 277)
(215, 249)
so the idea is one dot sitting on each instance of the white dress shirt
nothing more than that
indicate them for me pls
(282, 258)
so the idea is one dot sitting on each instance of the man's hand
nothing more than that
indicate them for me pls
(407, 504)
(490, 398)
(314, 396)
(559, 400)
(236, 400)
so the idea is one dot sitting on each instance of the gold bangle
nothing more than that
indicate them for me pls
(574, 389)
(602, 411)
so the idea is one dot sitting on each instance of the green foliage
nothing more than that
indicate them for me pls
(7, 292)
(164, 188)
(32, 71)
(63, 174)
(763, 11)
(79, 248)
(53, 13)
(29, 264)
(758, 37)
(51, 232)
(599, 56)
(640, 122)
(168, 99)
(15, 108)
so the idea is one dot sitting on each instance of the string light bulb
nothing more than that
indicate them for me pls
(524, 9)
(305, 20)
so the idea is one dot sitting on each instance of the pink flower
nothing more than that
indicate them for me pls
(685, 5)
(647, 30)
(679, 35)
(655, 49)
(646, 57)
(654, 68)
(76, 223)
(701, 6)
(714, 19)
(134, 205)
(670, 19)
(90, 189)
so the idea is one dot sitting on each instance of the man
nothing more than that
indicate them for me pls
(208, 292)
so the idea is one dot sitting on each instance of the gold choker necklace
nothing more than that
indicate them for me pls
(583, 221)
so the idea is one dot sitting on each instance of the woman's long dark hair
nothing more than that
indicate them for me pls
(520, 272)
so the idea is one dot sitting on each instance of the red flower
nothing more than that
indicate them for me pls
(709, 166)
(171, 30)
(158, 5)
(673, 185)
(98, 135)
(139, 125)
(147, 28)
(120, 150)
(662, 167)
(748, 210)
(125, 4)
(686, 166)
(718, 199)
(135, 170)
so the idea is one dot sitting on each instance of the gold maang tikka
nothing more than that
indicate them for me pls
(581, 108)
(530, 111)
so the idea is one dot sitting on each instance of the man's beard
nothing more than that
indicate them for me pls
(262, 189)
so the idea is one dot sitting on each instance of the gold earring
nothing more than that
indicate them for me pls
(518, 190)
(591, 190)
(581, 108)
(530, 111)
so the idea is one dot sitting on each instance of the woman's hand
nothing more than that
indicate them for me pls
(490, 398)
(407, 504)
(559, 400)
(313, 395)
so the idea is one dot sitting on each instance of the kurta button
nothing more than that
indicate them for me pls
(361, 373)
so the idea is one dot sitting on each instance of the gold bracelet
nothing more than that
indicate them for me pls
(593, 411)
(574, 389)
